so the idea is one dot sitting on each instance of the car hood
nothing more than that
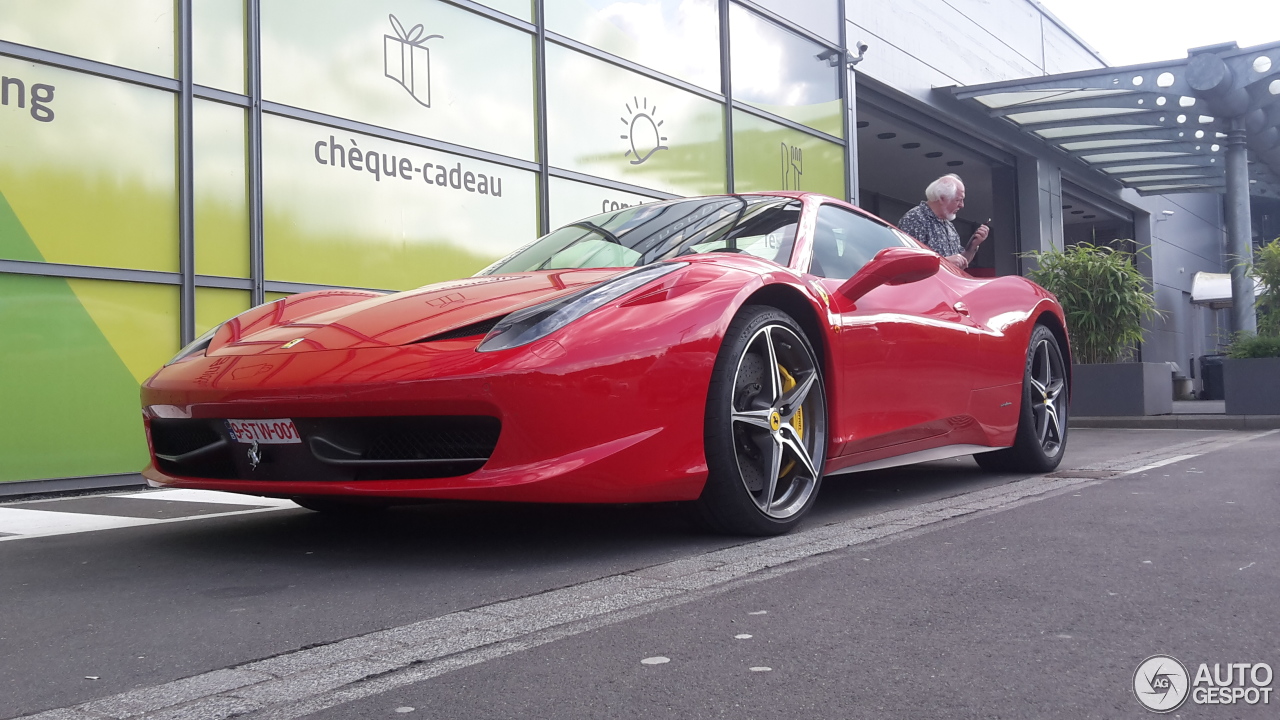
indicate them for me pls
(414, 315)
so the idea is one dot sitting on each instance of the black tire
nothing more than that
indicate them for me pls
(340, 506)
(763, 423)
(1041, 439)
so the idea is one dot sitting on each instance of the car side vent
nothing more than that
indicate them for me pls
(480, 328)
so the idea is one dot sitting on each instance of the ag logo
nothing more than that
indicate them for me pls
(1160, 683)
(642, 131)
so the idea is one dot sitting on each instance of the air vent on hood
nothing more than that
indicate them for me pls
(480, 328)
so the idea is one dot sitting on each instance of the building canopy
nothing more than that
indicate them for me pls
(1159, 128)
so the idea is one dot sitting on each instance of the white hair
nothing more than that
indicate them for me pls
(944, 188)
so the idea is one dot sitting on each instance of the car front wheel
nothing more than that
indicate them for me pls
(766, 426)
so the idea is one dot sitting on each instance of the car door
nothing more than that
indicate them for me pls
(902, 350)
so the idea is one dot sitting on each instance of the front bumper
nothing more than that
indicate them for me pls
(587, 426)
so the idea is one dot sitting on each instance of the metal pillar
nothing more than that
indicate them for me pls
(257, 265)
(540, 84)
(186, 182)
(1239, 230)
(849, 91)
(726, 88)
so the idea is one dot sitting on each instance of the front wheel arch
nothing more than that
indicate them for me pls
(1051, 321)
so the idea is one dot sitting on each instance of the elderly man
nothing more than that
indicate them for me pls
(930, 221)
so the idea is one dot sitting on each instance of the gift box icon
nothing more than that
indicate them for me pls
(407, 60)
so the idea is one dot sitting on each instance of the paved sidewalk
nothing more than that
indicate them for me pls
(1039, 611)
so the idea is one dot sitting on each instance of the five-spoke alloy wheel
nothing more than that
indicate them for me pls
(1042, 425)
(766, 426)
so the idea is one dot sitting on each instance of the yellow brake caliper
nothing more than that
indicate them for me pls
(789, 382)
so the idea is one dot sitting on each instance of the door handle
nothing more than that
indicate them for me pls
(962, 308)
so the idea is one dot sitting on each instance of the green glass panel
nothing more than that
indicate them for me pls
(769, 156)
(137, 34)
(421, 66)
(221, 196)
(612, 123)
(217, 44)
(571, 201)
(680, 38)
(779, 71)
(522, 9)
(87, 166)
(423, 216)
(70, 399)
(215, 306)
(821, 17)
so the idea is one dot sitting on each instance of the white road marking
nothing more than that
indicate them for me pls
(210, 496)
(65, 523)
(1160, 463)
(22, 522)
(761, 669)
(25, 523)
(655, 660)
(759, 612)
(742, 636)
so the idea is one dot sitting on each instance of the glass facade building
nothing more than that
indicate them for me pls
(166, 164)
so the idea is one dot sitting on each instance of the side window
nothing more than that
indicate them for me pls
(844, 241)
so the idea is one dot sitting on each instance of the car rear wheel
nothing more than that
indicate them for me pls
(1041, 437)
(766, 427)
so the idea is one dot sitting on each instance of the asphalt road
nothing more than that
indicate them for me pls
(1030, 606)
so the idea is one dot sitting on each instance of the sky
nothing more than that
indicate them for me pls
(1128, 32)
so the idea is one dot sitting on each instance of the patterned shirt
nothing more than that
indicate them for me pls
(940, 235)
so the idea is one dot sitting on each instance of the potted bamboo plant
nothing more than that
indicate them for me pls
(1251, 371)
(1105, 299)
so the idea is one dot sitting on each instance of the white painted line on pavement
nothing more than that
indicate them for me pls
(25, 523)
(1161, 463)
(209, 496)
(65, 523)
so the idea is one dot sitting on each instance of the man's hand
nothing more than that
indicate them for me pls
(972, 250)
(960, 260)
(978, 236)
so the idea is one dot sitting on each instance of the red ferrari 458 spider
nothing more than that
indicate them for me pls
(730, 351)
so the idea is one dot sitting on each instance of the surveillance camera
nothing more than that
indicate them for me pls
(1166, 212)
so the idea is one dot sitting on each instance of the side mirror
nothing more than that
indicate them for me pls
(891, 266)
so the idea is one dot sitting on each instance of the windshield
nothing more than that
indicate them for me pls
(760, 225)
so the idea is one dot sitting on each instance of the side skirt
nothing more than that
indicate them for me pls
(938, 453)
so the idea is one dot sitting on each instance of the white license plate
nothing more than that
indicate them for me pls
(265, 432)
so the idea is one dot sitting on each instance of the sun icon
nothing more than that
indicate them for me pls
(642, 131)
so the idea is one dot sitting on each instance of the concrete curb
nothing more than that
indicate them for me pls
(22, 488)
(1181, 422)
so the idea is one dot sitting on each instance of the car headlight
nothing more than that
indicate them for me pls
(533, 323)
(197, 346)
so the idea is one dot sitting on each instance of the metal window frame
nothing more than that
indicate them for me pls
(186, 180)
(185, 91)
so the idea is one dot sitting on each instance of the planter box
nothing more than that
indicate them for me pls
(1121, 389)
(1251, 386)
